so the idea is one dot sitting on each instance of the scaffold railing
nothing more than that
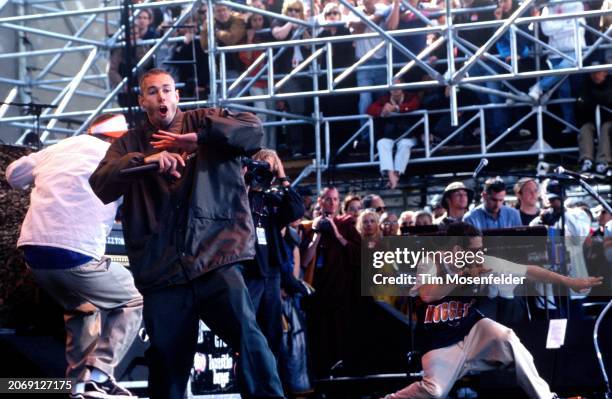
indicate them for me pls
(90, 83)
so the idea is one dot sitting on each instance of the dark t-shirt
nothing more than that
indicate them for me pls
(448, 320)
(526, 218)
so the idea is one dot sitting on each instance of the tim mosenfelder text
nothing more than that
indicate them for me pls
(410, 279)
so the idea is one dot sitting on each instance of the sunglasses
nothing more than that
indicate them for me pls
(380, 209)
(332, 13)
(296, 10)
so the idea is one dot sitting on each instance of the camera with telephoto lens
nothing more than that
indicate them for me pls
(324, 224)
(258, 175)
(259, 178)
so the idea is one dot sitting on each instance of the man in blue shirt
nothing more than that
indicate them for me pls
(492, 213)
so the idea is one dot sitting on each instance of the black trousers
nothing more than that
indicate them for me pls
(221, 299)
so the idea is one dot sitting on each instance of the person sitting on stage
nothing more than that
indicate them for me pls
(456, 199)
(188, 228)
(63, 238)
(392, 128)
(596, 91)
(492, 213)
(457, 338)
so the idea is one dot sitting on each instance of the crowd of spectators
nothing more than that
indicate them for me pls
(233, 27)
(330, 245)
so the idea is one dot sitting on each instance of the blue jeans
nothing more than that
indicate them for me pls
(564, 91)
(221, 299)
(370, 77)
(497, 119)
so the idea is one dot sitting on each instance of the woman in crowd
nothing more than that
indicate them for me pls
(352, 206)
(389, 224)
(255, 24)
(368, 227)
(343, 57)
(406, 220)
(291, 57)
(423, 218)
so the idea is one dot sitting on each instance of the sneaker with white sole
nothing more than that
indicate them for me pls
(105, 390)
(601, 168)
(587, 165)
(535, 92)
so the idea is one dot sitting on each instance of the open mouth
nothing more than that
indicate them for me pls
(163, 110)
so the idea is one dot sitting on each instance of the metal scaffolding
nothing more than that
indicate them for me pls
(88, 83)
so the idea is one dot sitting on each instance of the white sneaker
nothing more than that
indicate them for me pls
(587, 165)
(535, 92)
(601, 168)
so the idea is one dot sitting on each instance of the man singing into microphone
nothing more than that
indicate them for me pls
(187, 229)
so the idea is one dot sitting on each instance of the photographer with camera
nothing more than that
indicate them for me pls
(334, 245)
(272, 209)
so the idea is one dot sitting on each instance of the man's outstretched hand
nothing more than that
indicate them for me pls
(187, 142)
(581, 284)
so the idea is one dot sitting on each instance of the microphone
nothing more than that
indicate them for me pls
(139, 169)
(483, 162)
(562, 171)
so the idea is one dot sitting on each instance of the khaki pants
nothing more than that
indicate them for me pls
(83, 292)
(489, 345)
(586, 142)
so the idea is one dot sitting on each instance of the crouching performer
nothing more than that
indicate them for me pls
(458, 339)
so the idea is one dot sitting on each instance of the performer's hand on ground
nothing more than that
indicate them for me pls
(187, 142)
(581, 284)
(168, 162)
